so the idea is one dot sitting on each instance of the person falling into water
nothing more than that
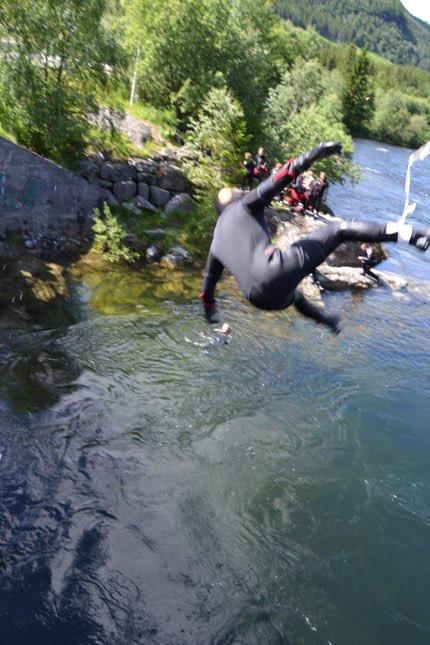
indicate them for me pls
(269, 277)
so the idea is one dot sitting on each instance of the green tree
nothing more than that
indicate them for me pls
(298, 88)
(300, 113)
(357, 97)
(110, 237)
(187, 44)
(216, 139)
(399, 120)
(61, 54)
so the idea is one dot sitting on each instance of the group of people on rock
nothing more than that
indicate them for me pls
(305, 194)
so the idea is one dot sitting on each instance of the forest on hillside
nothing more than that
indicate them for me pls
(383, 26)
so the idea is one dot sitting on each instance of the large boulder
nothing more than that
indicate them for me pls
(103, 183)
(146, 178)
(159, 196)
(88, 169)
(143, 204)
(147, 166)
(180, 203)
(135, 129)
(124, 190)
(143, 190)
(116, 171)
(172, 178)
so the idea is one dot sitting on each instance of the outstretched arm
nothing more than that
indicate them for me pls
(266, 191)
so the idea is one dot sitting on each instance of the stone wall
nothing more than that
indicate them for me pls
(38, 196)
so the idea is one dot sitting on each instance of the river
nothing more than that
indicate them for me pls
(275, 490)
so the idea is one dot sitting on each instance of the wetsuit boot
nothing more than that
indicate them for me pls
(420, 238)
(210, 308)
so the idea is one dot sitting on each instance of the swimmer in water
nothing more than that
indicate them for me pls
(223, 335)
(219, 336)
(269, 277)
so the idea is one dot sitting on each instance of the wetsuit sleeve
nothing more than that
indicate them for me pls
(266, 191)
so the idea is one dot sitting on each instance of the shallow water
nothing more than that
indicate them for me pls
(273, 490)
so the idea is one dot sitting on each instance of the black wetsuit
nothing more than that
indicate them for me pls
(268, 276)
(261, 167)
(248, 179)
(317, 193)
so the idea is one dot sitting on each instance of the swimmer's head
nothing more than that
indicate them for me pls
(226, 329)
(225, 197)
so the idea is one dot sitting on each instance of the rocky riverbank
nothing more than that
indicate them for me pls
(157, 199)
(32, 279)
(342, 270)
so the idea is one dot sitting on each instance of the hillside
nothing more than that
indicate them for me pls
(383, 26)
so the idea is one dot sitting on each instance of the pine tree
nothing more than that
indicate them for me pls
(357, 97)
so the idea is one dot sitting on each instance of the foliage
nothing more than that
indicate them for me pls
(110, 236)
(401, 120)
(191, 44)
(357, 97)
(300, 113)
(216, 139)
(58, 56)
(384, 26)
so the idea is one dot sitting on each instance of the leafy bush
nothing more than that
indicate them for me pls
(110, 236)
(216, 139)
(58, 59)
(401, 120)
(300, 113)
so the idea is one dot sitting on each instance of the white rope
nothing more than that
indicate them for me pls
(418, 155)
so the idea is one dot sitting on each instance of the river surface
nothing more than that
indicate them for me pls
(274, 490)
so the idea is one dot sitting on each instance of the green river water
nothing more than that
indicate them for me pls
(274, 490)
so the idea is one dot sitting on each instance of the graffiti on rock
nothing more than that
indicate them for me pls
(13, 200)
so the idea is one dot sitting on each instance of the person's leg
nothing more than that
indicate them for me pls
(319, 314)
(328, 238)
(303, 257)
(369, 272)
(211, 276)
